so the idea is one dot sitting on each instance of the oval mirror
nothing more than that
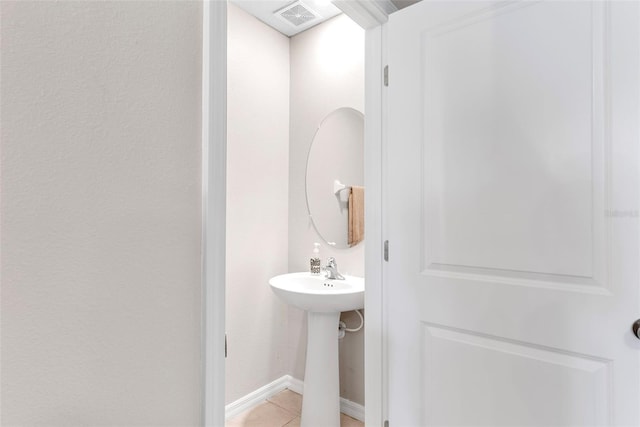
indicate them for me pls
(335, 165)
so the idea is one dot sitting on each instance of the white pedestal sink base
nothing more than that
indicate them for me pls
(321, 396)
(323, 299)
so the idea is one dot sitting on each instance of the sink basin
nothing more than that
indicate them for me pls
(317, 294)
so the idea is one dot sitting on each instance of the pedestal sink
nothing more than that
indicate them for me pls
(323, 299)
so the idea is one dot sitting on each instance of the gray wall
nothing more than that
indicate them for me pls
(101, 293)
(257, 200)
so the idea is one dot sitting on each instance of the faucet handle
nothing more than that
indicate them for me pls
(331, 262)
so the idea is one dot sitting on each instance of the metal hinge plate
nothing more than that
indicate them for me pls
(386, 250)
(386, 75)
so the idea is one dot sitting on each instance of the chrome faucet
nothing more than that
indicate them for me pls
(331, 270)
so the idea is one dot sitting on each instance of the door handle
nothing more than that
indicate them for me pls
(636, 328)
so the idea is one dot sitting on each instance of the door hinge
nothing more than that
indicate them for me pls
(225, 346)
(386, 75)
(386, 250)
(386, 423)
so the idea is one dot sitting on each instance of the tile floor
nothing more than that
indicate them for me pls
(281, 410)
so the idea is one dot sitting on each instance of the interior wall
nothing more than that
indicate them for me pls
(101, 213)
(257, 202)
(327, 72)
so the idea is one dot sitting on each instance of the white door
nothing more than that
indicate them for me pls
(512, 209)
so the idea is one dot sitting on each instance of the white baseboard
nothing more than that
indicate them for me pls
(258, 396)
(295, 385)
(353, 409)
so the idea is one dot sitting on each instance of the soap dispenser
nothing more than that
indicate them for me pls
(315, 260)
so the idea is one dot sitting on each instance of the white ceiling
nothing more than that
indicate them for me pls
(264, 11)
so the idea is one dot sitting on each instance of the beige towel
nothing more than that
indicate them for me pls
(356, 215)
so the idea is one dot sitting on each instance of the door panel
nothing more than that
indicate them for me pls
(572, 388)
(507, 112)
(512, 214)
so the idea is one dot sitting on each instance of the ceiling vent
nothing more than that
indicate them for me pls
(298, 14)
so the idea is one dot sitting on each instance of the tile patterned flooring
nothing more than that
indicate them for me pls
(281, 410)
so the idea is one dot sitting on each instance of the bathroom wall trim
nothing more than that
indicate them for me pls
(258, 396)
(375, 96)
(214, 160)
(368, 14)
(352, 409)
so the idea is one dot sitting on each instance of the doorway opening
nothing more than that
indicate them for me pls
(280, 89)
